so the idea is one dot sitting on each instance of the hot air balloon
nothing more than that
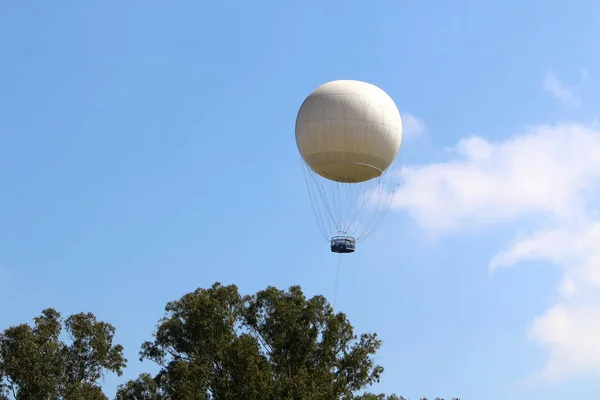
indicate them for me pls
(348, 134)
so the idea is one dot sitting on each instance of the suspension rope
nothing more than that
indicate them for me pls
(337, 278)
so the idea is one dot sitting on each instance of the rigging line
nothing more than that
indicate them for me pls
(337, 278)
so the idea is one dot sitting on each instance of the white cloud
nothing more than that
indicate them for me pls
(543, 178)
(546, 171)
(412, 125)
(571, 328)
(562, 92)
(570, 333)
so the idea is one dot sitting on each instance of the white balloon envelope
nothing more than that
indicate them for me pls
(349, 134)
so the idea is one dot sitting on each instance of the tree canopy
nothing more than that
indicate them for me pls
(211, 344)
(35, 363)
(217, 344)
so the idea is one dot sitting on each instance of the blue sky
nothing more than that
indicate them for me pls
(138, 139)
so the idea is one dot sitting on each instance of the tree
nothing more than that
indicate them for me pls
(214, 344)
(145, 387)
(36, 364)
(370, 396)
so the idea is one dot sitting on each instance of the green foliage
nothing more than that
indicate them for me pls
(36, 364)
(143, 388)
(370, 396)
(214, 344)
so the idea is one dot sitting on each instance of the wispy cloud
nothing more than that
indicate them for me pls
(547, 174)
(412, 125)
(584, 75)
(565, 94)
